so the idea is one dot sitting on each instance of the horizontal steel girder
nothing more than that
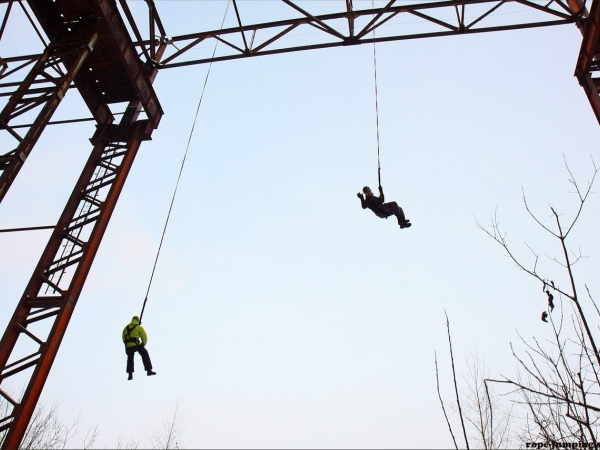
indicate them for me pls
(444, 18)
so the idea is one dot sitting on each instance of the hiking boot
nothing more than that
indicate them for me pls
(149, 372)
(406, 224)
(130, 377)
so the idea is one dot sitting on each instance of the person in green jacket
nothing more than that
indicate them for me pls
(135, 338)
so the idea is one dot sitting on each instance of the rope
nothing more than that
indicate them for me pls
(45, 227)
(376, 102)
(181, 169)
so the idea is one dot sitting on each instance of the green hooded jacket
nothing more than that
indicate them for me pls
(134, 334)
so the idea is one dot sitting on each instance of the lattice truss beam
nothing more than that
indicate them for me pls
(41, 92)
(305, 30)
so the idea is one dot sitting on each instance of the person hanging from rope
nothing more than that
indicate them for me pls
(381, 209)
(135, 338)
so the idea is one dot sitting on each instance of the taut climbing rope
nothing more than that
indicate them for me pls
(376, 100)
(181, 169)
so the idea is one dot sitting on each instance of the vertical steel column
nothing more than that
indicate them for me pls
(68, 51)
(587, 63)
(58, 279)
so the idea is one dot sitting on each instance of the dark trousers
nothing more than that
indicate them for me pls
(391, 209)
(143, 353)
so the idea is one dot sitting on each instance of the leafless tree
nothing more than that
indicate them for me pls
(128, 444)
(171, 433)
(47, 430)
(484, 420)
(555, 395)
(489, 418)
(558, 383)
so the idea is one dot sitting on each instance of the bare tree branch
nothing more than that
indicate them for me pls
(462, 422)
(582, 198)
(171, 433)
(558, 398)
(437, 378)
(533, 215)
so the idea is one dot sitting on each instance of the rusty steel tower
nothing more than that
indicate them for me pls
(97, 48)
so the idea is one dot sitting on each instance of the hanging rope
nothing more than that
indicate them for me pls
(376, 102)
(181, 169)
(45, 227)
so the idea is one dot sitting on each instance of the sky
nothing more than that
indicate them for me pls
(281, 314)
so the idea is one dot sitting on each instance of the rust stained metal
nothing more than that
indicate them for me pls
(123, 49)
(73, 56)
(55, 286)
(588, 60)
(112, 72)
(121, 142)
(273, 31)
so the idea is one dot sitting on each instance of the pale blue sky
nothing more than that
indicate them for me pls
(281, 314)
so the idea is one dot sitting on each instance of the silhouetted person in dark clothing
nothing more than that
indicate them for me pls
(545, 316)
(550, 300)
(381, 209)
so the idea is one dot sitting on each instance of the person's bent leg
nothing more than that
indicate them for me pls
(397, 211)
(146, 360)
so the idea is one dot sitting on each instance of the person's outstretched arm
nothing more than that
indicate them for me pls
(362, 200)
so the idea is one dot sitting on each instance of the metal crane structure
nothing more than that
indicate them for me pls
(98, 48)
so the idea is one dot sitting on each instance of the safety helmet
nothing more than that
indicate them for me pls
(366, 189)
(135, 318)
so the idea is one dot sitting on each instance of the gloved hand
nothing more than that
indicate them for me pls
(380, 189)
(361, 196)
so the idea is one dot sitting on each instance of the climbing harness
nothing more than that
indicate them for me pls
(129, 339)
(181, 169)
